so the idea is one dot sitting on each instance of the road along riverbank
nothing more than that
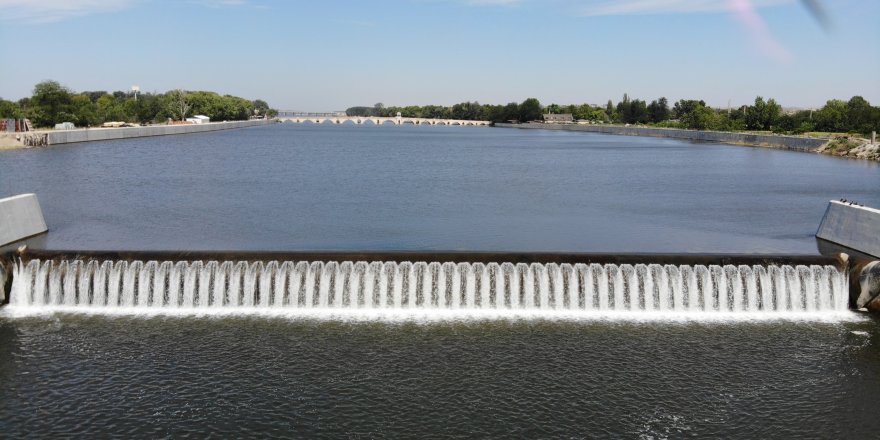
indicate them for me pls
(47, 138)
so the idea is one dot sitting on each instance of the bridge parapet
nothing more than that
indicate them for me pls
(376, 120)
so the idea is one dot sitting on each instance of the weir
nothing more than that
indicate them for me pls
(460, 284)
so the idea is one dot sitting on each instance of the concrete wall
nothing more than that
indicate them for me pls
(855, 227)
(761, 140)
(20, 217)
(102, 134)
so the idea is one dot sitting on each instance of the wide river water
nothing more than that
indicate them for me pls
(296, 187)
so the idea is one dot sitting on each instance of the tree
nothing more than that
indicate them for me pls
(832, 117)
(624, 110)
(638, 111)
(83, 110)
(609, 111)
(859, 115)
(700, 118)
(177, 103)
(510, 112)
(754, 114)
(771, 114)
(530, 110)
(9, 109)
(261, 107)
(359, 111)
(467, 111)
(658, 110)
(685, 106)
(762, 115)
(49, 103)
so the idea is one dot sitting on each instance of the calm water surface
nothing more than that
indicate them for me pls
(244, 377)
(295, 187)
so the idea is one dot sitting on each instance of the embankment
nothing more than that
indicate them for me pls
(758, 140)
(42, 138)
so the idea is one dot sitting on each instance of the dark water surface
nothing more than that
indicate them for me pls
(296, 187)
(243, 377)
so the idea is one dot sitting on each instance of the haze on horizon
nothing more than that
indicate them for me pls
(321, 56)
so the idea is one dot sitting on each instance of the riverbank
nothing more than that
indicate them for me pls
(51, 137)
(842, 147)
(756, 140)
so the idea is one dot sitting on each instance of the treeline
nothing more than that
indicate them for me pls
(53, 103)
(853, 116)
(528, 110)
(837, 116)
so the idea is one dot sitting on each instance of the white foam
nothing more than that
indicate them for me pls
(435, 291)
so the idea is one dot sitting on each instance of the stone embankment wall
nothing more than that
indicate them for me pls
(759, 140)
(102, 134)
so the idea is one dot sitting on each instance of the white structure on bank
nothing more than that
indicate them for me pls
(199, 119)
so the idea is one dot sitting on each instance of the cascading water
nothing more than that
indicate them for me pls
(455, 288)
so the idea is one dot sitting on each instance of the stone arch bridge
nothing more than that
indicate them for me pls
(337, 118)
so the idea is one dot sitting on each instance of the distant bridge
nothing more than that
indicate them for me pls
(341, 118)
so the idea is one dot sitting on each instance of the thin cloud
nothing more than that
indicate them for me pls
(759, 31)
(494, 2)
(226, 3)
(46, 11)
(651, 7)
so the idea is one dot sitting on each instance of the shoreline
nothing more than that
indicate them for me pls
(866, 151)
(795, 143)
(48, 138)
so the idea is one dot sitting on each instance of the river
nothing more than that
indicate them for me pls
(124, 372)
(323, 187)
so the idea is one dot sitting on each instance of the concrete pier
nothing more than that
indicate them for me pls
(20, 217)
(856, 227)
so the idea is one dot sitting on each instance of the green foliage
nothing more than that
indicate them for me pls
(53, 103)
(841, 145)
(701, 118)
(762, 115)
(9, 109)
(528, 110)
(855, 115)
(50, 103)
(658, 110)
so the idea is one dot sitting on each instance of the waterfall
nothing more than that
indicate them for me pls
(458, 287)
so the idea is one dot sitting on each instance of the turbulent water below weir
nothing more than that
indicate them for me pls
(450, 289)
(235, 377)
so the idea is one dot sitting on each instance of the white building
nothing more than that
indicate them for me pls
(199, 119)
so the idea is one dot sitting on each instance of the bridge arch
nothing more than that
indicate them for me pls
(318, 118)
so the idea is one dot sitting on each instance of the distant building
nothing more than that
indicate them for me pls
(560, 118)
(199, 119)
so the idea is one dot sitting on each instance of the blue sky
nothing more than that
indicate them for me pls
(329, 55)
